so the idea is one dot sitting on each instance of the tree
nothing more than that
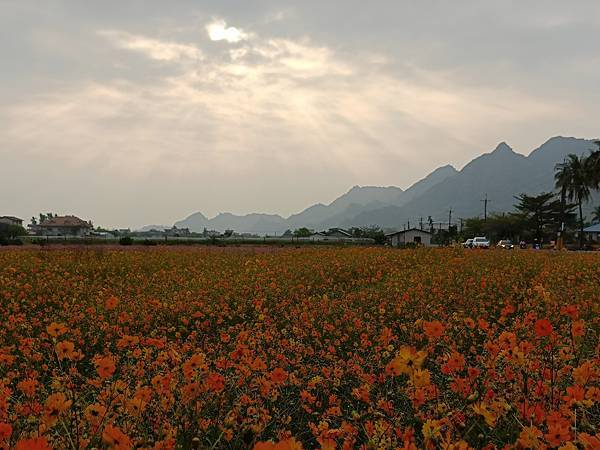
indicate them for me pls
(594, 167)
(370, 232)
(504, 226)
(302, 232)
(535, 211)
(543, 213)
(11, 231)
(473, 227)
(573, 178)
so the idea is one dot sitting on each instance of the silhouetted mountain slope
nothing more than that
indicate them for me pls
(423, 185)
(501, 174)
(357, 196)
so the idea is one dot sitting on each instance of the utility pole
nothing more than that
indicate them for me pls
(461, 225)
(485, 203)
(449, 219)
(409, 224)
(421, 222)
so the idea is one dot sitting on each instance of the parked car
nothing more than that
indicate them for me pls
(481, 242)
(505, 243)
(468, 243)
(523, 244)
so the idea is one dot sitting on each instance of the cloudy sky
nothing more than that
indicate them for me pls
(142, 112)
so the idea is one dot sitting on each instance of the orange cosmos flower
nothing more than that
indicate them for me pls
(145, 393)
(455, 363)
(39, 443)
(557, 434)
(115, 438)
(327, 443)
(286, 444)
(196, 362)
(94, 414)
(65, 349)
(434, 329)
(190, 392)
(28, 386)
(6, 430)
(111, 303)
(585, 373)
(216, 382)
(55, 405)
(570, 310)
(135, 406)
(56, 329)
(105, 366)
(578, 328)
(530, 437)
(278, 376)
(543, 327)
(421, 378)
(589, 441)
(575, 394)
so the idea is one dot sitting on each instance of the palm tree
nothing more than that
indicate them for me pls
(573, 179)
(594, 167)
(596, 214)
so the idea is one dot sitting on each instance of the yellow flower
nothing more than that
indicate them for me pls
(406, 361)
(481, 409)
(432, 430)
(421, 377)
(530, 437)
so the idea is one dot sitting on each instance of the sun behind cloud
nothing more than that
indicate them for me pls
(218, 31)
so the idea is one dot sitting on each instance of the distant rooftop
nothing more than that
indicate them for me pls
(593, 229)
(406, 231)
(65, 221)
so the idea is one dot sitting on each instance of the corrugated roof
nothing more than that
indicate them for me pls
(406, 231)
(593, 229)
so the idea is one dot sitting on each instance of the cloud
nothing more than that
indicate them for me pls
(274, 103)
(152, 48)
(218, 31)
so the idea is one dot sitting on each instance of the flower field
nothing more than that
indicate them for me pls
(298, 348)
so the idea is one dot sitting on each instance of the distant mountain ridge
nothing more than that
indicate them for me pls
(501, 173)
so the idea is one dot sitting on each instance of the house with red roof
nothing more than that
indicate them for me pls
(64, 226)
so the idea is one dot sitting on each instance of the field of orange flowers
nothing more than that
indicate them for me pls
(298, 348)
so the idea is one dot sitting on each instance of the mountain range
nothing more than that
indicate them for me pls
(501, 174)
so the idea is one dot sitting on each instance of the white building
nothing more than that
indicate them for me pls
(412, 236)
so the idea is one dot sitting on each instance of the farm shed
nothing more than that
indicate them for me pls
(411, 236)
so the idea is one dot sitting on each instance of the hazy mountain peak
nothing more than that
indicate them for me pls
(197, 216)
(447, 169)
(423, 185)
(503, 147)
(363, 195)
